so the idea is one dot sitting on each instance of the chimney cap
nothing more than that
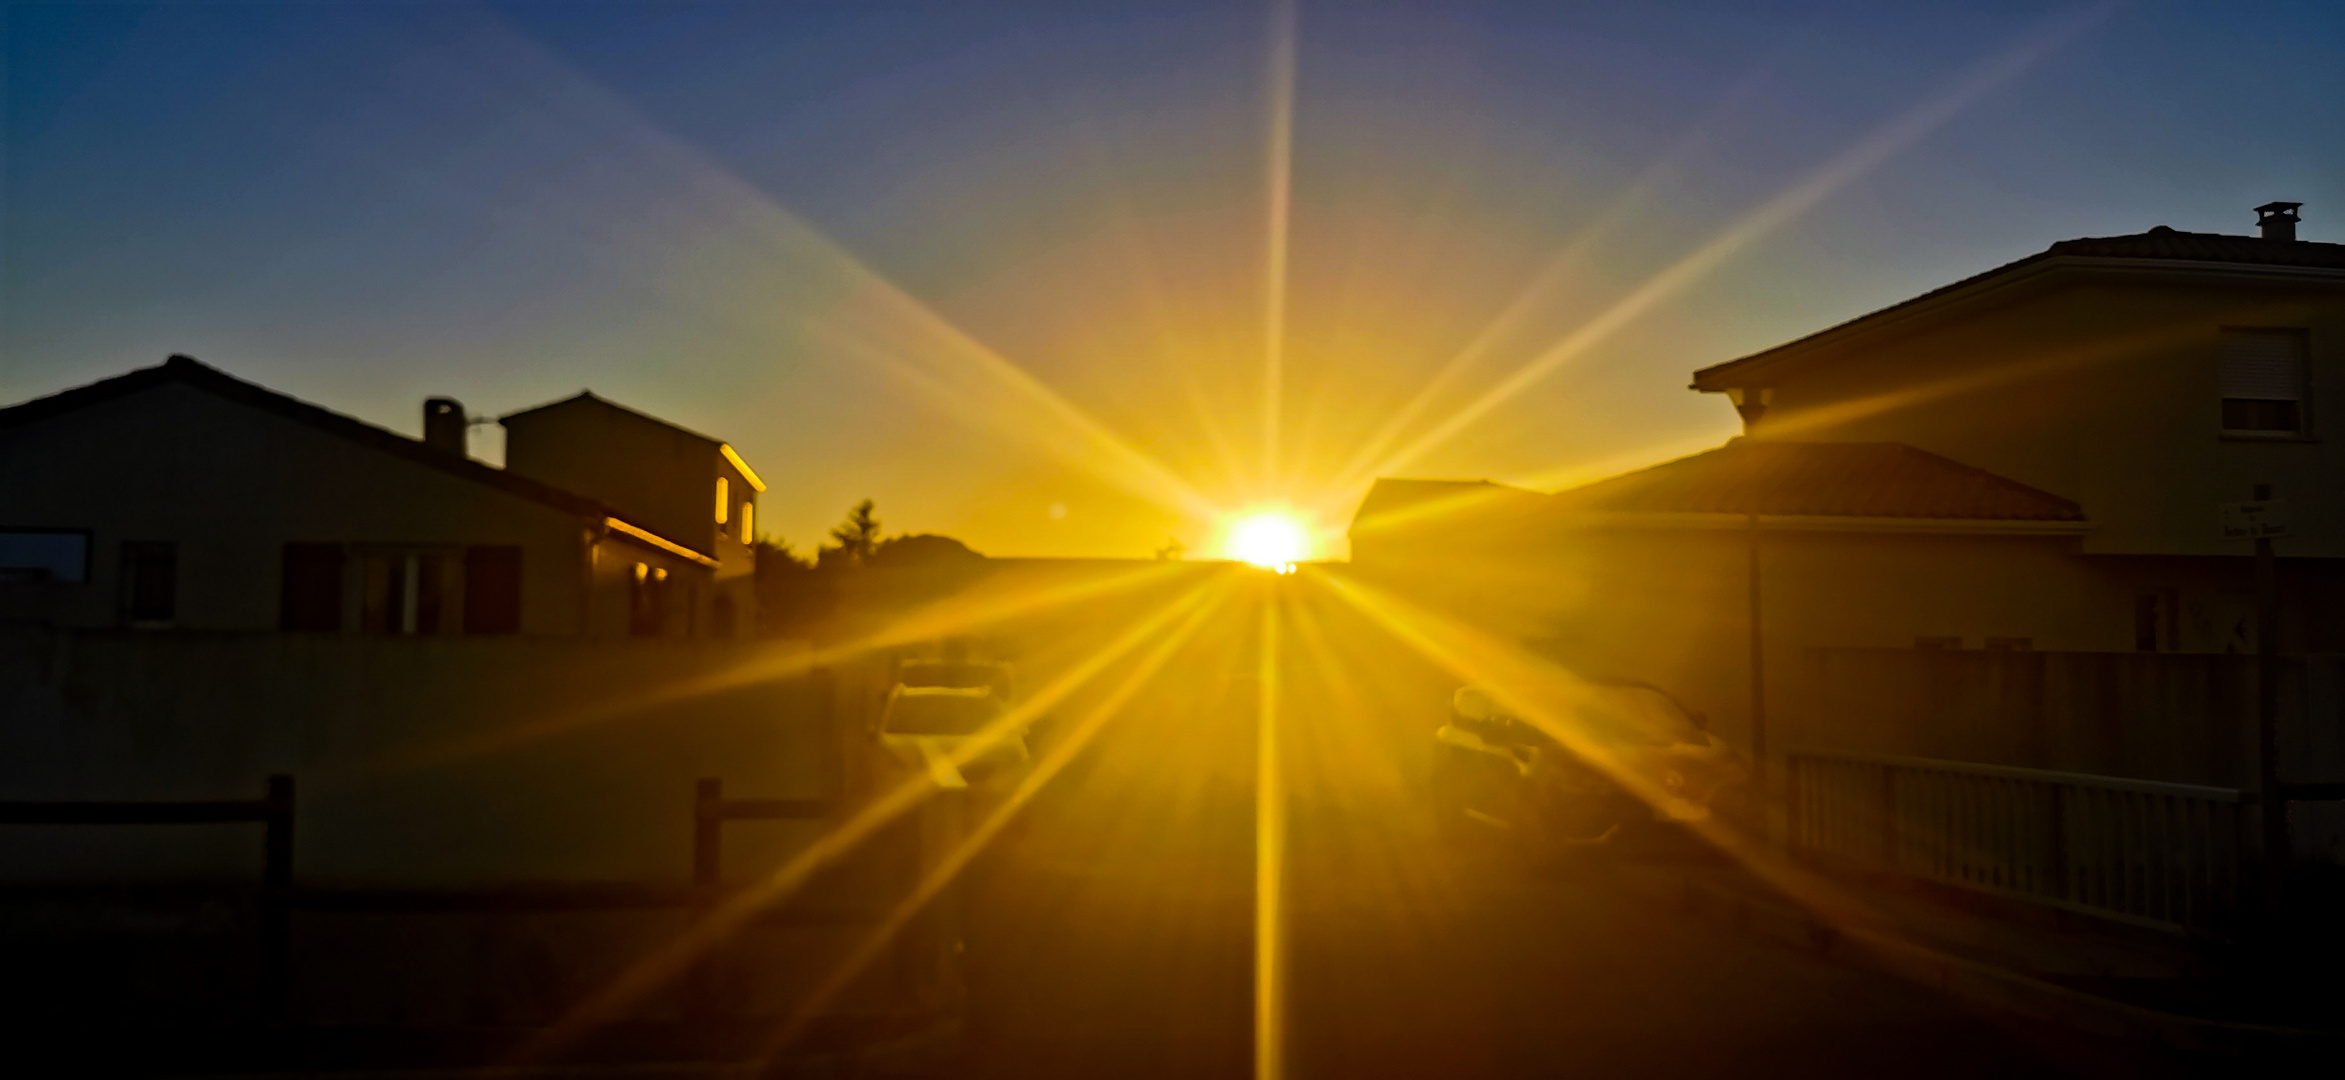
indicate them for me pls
(2277, 220)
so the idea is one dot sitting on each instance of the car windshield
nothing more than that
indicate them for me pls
(940, 714)
(953, 673)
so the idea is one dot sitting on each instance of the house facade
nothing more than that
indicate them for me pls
(179, 497)
(2029, 460)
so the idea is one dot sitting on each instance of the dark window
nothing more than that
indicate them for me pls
(2263, 381)
(45, 555)
(150, 582)
(382, 596)
(312, 593)
(405, 592)
(2145, 622)
(492, 590)
(2010, 644)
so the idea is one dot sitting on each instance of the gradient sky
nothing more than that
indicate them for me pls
(1002, 267)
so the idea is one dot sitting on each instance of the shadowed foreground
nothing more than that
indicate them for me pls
(1115, 935)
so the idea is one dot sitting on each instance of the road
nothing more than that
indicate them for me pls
(1114, 936)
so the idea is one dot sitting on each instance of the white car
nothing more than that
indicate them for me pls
(957, 734)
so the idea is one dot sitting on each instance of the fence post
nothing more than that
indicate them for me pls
(708, 825)
(1793, 811)
(2060, 884)
(1888, 817)
(708, 831)
(276, 913)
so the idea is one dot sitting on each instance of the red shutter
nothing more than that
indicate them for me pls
(492, 590)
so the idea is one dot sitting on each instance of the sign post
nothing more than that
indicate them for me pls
(2261, 521)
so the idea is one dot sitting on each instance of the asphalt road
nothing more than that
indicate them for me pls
(1114, 935)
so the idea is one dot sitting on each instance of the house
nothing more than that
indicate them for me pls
(2031, 459)
(178, 496)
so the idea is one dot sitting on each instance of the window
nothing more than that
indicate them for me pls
(748, 520)
(2263, 380)
(648, 608)
(311, 596)
(45, 555)
(405, 593)
(724, 500)
(492, 590)
(2011, 644)
(150, 583)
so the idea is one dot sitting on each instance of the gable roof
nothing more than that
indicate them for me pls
(1820, 479)
(588, 397)
(187, 371)
(2185, 250)
(1392, 503)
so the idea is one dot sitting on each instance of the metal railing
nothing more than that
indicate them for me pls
(2154, 854)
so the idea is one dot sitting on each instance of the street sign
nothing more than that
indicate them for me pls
(2255, 520)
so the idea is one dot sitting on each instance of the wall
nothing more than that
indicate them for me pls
(1671, 607)
(419, 761)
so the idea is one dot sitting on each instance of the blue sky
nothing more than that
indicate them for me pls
(888, 250)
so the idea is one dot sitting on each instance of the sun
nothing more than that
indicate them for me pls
(1269, 538)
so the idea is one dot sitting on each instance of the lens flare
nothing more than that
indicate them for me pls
(1272, 539)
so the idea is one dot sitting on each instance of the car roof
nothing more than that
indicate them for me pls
(903, 690)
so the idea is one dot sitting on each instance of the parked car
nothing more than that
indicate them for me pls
(927, 727)
(1496, 770)
(994, 675)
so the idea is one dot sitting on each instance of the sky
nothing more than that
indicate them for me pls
(1081, 279)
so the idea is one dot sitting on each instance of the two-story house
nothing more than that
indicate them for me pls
(178, 496)
(2029, 459)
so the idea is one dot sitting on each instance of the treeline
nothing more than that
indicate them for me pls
(808, 596)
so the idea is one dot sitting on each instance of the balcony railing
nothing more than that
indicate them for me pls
(2154, 854)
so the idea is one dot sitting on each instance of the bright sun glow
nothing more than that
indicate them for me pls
(1269, 538)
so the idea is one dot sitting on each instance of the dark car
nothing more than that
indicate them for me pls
(1634, 757)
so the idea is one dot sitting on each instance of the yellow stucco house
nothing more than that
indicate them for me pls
(2028, 459)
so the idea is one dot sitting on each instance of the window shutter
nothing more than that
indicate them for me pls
(492, 590)
(312, 594)
(2263, 365)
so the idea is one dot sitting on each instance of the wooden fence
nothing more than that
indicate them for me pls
(279, 895)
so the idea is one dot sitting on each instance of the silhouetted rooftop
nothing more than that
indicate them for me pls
(188, 371)
(1820, 479)
(2209, 250)
(1391, 502)
(590, 397)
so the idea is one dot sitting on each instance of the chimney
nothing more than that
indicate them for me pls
(443, 425)
(2277, 220)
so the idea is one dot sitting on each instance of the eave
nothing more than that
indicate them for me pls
(1758, 368)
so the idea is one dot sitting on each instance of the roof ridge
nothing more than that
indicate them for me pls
(590, 395)
(181, 368)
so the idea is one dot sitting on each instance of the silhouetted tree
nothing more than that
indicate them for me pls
(857, 538)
